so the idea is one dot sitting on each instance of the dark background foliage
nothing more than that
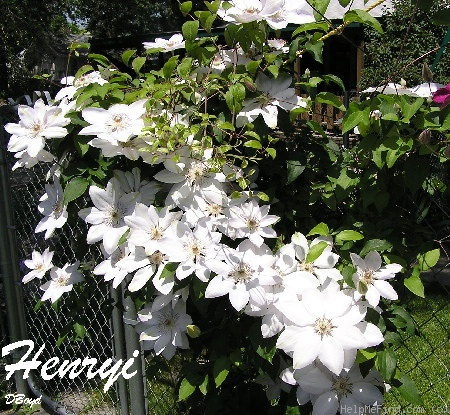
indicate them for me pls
(408, 34)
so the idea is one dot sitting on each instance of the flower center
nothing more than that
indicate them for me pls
(366, 276)
(36, 128)
(118, 122)
(251, 10)
(157, 258)
(241, 273)
(195, 249)
(214, 209)
(113, 216)
(156, 233)
(323, 326)
(196, 172)
(252, 224)
(61, 281)
(342, 386)
(306, 266)
(40, 267)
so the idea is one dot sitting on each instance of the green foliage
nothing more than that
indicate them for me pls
(409, 33)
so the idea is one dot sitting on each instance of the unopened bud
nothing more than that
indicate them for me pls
(250, 86)
(307, 72)
(376, 114)
(193, 331)
(427, 75)
(447, 152)
(402, 82)
(425, 137)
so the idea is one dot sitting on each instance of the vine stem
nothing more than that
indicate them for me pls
(340, 28)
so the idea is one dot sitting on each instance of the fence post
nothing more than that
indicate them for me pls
(137, 386)
(119, 348)
(9, 265)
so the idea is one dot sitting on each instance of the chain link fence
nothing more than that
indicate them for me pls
(424, 355)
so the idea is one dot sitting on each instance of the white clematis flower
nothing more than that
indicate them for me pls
(75, 84)
(53, 208)
(164, 330)
(326, 323)
(109, 269)
(245, 11)
(119, 123)
(370, 278)
(149, 263)
(167, 45)
(191, 179)
(38, 264)
(293, 11)
(323, 266)
(150, 227)
(275, 93)
(347, 392)
(239, 272)
(111, 206)
(192, 249)
(62, 281)
(252, 221)
(37, 124)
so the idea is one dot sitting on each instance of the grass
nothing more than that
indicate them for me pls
(425, 357)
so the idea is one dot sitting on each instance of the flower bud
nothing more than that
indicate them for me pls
(193, 331)
(250, 86)
(425, 137)
(427, 75)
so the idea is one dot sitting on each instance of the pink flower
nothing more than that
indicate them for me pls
(442, 96)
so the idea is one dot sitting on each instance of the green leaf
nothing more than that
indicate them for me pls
(335, 79)
(294, 170)
(186, 7)
(190, 30)
(220, 370)
(364, 355)
(415, 285)
(271, 152)
(315, 251)
(320, 26)
(316, 49)
(253, 144)
(386, 363)
(84, 69)
(442, 17)
(203, 387)
(320, 7)
(353, 118)
(138, 63)
(126, 56)
(102, 60)
(267, 352)
(330, 99)
(274, 70)
(186, 390)
(408, 389)
(319, 229)
(348, 235)
(74, 189)
(344, 3)
(234, 97)
(429, 259)
(184, 68)
(79, 330)
(363, 17)
(378, 245)
(169, 67)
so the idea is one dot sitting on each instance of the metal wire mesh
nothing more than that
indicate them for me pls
(45, 324)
